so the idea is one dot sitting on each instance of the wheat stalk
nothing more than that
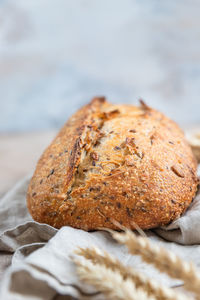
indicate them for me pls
(151, 287)
(109, 282)
(162, 259)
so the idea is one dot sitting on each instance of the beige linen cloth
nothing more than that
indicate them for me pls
(35, 258)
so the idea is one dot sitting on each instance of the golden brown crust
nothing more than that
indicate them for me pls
(118, 162)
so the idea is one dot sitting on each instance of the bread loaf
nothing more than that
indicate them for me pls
(114, 162)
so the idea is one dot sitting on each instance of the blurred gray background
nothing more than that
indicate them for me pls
(55, 55)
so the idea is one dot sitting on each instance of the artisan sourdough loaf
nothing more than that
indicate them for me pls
(114, 162)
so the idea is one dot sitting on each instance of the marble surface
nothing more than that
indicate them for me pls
(55, 55)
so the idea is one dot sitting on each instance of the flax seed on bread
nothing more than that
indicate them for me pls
(122, 162)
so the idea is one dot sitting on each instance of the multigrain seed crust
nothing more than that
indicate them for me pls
(122, 162)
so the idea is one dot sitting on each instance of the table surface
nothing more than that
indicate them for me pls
(19, 154)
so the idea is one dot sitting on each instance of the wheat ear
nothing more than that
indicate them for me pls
(151, 286)
(110, 283)
(163, 260)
